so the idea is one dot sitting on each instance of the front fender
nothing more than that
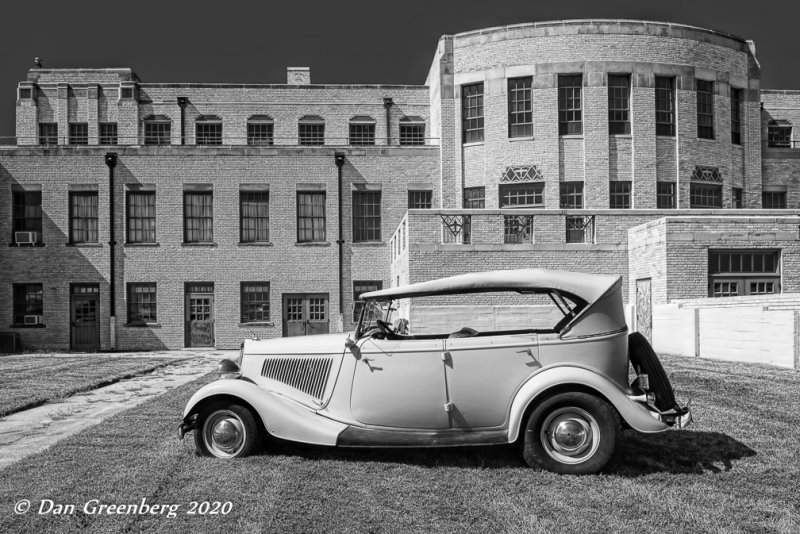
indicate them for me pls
(282, 417)
(636, 415)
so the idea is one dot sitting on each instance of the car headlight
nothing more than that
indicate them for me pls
(229, 369)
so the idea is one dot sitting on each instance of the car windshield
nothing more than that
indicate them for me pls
(375, 310)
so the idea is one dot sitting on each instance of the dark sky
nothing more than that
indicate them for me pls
(345, 41)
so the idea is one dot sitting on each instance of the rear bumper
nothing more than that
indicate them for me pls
(189, 424)
(680, 418)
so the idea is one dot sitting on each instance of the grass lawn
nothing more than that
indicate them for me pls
(29, 380)
(735, 470)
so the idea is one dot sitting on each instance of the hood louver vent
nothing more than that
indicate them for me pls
(308, 374)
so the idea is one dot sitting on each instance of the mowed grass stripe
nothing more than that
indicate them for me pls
(732, 472)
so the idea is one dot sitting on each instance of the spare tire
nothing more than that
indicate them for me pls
(644, 360)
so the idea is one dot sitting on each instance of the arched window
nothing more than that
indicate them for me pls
(157, 130)
(362, 131)
(208, 130)
(260, 130)
(311, 130)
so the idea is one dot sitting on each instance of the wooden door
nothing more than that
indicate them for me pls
(84, 316)
(305, 314)
(200, 314)
(644, 310)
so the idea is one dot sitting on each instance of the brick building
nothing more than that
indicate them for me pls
(147, 215)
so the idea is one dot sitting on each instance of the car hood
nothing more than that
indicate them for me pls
(316, 344)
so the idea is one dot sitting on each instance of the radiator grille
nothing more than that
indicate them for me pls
(308, 374)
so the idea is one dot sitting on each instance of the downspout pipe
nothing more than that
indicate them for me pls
(111, 162)
(339, 158)
(388, 103)
(182, 102)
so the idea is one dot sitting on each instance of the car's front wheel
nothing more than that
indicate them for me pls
(226, 431)
(572, 433)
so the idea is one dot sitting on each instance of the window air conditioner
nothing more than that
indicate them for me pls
(26, 238)
(33, 319)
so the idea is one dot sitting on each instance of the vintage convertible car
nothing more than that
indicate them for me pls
(533, 356)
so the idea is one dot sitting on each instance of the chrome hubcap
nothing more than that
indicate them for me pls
(570, 435)
(224, 433)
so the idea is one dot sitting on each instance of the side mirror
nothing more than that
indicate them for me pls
(351, 345)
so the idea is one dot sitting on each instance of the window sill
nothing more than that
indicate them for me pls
(27, 326)
(623, 135)
(211, 244)
(707, 139)
(26, 246)
(83, 244)
(521, 138)
(256, 244)
(142, 244)
(664, 136)
(368, 244)
(139, 325)
(259, 323)
(313, 244)
(570, 136)
(474, 143)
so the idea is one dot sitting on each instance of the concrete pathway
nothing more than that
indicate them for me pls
(30, 431)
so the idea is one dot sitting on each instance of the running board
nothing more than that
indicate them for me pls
(353, 436)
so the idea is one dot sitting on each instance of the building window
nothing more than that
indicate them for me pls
(362, 131)
(28, 304)
(570, 119)
(255, 302)
(779, 134)
(208, 131)
(260, 131)
(412, 131)
(705, 109)
(520, 111)
(517, 229)
(736, 197)
(619, 195)
(27, 216)
(198, 217)
(366, 216)
(665, 106)
(157, 131)
(743, 272)
(254, 216)
(619, 97)
(142, 304)
(108, 133)
(522, 195)
(665, 195)
(472, 112)
(78, 133)
(420, 200)
(773, 200)
(48, 133)
(736, 116)
(571, 195)
(359, 287)
(141, 217)
(474, 197)
(83, 217)
(580, 228)
(707, 196)
(311, 131)
(310, 217)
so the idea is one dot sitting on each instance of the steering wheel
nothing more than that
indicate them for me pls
(385, 327)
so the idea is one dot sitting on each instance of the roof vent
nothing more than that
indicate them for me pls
(298, 75)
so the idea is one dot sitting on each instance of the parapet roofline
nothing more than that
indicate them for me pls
(574, 23)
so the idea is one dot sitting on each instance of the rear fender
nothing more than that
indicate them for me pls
(636, 415)
(282, 417)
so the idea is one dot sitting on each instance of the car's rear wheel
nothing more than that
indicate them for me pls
(226, 431)
(571, 433)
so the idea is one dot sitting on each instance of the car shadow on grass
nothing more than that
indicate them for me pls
(676, 452)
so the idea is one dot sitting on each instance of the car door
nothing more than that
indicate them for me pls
(483, 374)
(400, 384)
